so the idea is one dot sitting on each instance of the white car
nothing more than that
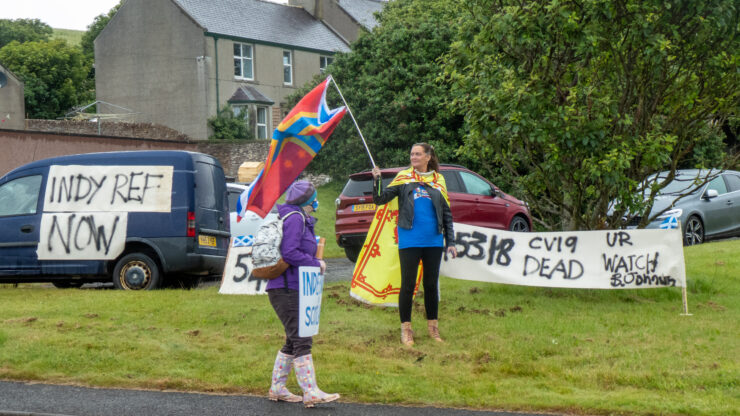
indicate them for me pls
(251, 222)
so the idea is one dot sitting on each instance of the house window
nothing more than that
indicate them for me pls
(324, 61)
(287, 67)
(261, 122)
(239, 109)
(243, 62)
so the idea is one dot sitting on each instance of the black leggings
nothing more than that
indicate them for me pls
(285, 303)
(430, 257)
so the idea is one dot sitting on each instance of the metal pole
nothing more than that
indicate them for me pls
(684, 294)
(353, 119)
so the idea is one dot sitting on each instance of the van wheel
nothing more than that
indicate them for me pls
(136, 271)
(352, 253)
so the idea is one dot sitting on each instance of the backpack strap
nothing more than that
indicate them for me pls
(296, 212)
(285, 277)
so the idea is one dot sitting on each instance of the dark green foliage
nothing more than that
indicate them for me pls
(390, 82)
(577, 102)
(23, 30)
(228, 126)
(94, 29)
(54, 75)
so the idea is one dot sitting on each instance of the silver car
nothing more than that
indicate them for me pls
(708, 211)
(248, 226)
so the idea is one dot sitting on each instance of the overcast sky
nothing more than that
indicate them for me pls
(61, 14)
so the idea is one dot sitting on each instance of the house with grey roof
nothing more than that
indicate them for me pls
(345, 17)
(178, 62)
(12, 103)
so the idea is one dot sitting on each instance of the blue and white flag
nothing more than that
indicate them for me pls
(243, 241)
(669, 223)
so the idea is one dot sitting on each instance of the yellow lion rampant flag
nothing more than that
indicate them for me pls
(377, 276)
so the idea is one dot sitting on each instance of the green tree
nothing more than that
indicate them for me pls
(578, 101)
(229, 126)
(93, 30)
(389, 79)
(54, 74)
(23, 30)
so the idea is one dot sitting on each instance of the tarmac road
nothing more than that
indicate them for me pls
(22, 399)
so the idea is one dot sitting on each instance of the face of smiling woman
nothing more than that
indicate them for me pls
(419, 159)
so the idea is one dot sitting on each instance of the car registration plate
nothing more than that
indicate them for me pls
(207, 240)
(363, 207)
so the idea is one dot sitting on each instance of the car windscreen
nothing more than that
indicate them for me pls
(362, 187)
(681, 185)
(234, 194)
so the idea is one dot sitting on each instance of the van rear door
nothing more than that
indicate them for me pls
(211, 207)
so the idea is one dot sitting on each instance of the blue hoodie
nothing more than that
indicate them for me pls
(298, 247)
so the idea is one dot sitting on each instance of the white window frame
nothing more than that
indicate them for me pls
(263, 125)
(325, 61)
(288, 66)
(243, 61)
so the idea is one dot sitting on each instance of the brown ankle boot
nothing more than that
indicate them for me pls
(407, 335)
(434, 330)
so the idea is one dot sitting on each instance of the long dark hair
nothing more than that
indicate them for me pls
(433, 161)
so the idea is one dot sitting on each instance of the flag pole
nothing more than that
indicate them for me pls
(353, 119)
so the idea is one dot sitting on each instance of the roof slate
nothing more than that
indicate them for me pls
(263, 21)
(362, 10)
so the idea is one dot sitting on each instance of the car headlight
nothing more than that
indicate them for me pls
(675, 212)
(336, 203)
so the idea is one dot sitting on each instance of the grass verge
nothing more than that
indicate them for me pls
(507, 347)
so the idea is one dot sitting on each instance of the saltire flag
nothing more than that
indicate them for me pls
(295, 143)
(377, 275)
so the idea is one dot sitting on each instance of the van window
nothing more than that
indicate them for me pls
(20, 196)
(209, 191)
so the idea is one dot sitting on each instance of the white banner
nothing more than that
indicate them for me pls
(613, 259)
(237, 278)
(108, 188)
(82, 235)
(310, 288)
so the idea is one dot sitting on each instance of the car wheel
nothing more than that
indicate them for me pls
(352, 253)
(136, 271)
(67, 284)
(519, 224)
(694, 233)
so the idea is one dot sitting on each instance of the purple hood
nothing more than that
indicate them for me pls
(298, 246)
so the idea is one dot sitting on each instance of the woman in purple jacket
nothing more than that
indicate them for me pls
(298, 248)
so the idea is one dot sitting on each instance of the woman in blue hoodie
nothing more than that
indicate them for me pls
(298, 248)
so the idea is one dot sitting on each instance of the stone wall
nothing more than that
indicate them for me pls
(107, 128)
(233, 154)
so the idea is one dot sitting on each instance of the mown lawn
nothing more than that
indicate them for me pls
(515, 348)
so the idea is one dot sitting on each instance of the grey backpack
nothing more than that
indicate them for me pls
(267, 261)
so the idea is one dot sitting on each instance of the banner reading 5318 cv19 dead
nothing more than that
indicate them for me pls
(609, 259)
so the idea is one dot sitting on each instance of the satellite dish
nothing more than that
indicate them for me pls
(3, 79)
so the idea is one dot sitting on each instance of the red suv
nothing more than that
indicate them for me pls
(474, 201)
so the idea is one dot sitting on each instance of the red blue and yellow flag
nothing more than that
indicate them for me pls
(295, 143)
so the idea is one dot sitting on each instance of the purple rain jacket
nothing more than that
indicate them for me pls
(298, 247)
